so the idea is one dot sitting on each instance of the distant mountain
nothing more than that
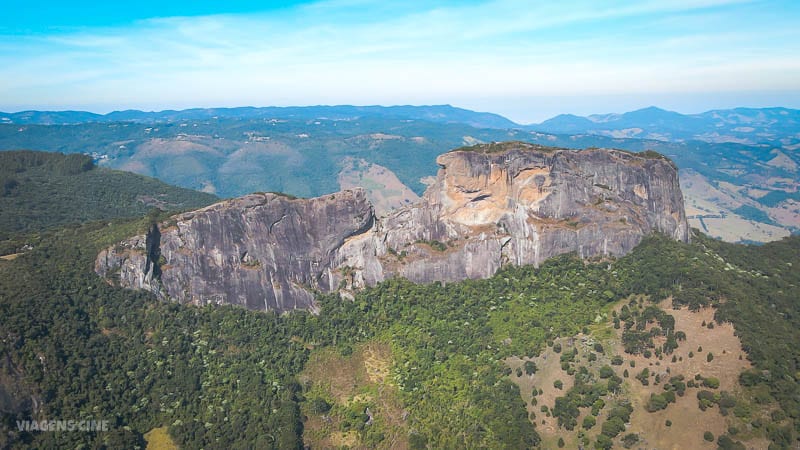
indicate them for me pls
(740, 125)
(743, 188)
(565, 124)
(436, 113)
(49, 117)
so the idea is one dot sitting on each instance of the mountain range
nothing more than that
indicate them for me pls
(738, 168)
(436, 113)
(740, 125)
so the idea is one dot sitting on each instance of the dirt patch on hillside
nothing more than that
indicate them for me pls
(688, 421)
(356, 383)
(548, 365)
(384, 190)
(159, 439)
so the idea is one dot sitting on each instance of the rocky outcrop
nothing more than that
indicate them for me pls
(262, 251)
(517, 203)
(490, 205)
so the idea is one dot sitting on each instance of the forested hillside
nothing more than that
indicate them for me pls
(45, 190)
(222, 377)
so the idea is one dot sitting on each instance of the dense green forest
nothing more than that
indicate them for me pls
(44, 190)
(75, 347)
(226, 377)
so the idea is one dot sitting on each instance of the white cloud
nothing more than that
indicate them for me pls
(344, 52)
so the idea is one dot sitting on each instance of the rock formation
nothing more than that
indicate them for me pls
(491, 205)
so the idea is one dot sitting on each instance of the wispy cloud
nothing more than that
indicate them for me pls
(359, 51)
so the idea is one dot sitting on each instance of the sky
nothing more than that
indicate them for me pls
(525, 59)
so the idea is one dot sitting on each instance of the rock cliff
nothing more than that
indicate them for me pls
(491, 205)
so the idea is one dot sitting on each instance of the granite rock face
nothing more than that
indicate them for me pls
(491, 205)
(517, 203)
(262, 251)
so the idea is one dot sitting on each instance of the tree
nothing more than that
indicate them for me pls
(656, 402)
(606, 372)
(603, 442)
(629, 440)
(613, 426)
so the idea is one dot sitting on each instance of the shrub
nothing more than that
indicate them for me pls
(726, 400)
(709, 436)
(606, 372)
(705, 400)
(597, 406)
(710, 357)
(589, 422)
(711, 382)
(644, 376)
(726, 443)
(613, 426)
(629, 440)
(657, 402)
(598, 347)
(603, 442)
(622, 411)
(614, 383)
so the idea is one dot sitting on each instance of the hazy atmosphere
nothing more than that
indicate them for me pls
(525, 60)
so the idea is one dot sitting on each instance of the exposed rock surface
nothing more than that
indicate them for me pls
(262, 251)
(490, 205)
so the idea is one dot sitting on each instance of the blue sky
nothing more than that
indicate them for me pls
(528, 60)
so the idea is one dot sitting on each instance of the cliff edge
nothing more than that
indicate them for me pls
(491, 205)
